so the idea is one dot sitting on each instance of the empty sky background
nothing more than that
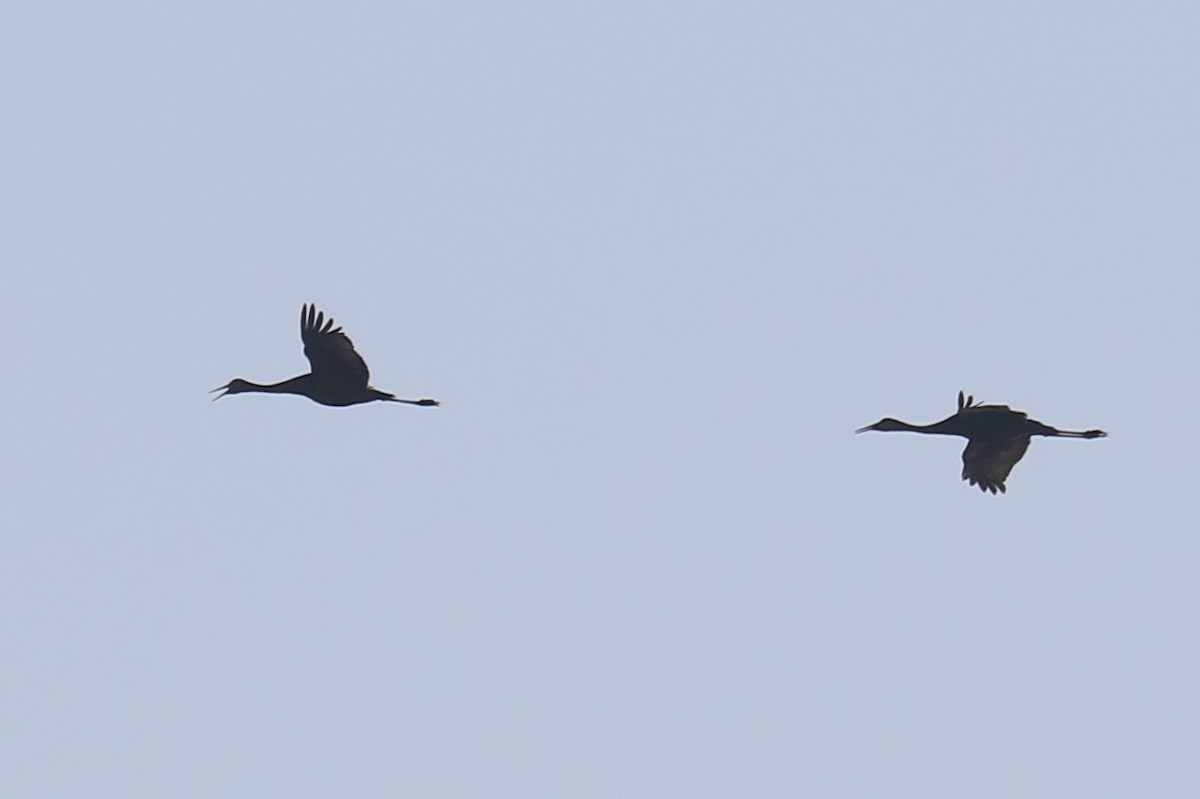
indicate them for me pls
(658, 260)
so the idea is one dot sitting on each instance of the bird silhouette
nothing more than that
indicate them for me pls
(339, 375)
(997, 437)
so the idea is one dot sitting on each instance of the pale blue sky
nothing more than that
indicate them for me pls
(658, 260)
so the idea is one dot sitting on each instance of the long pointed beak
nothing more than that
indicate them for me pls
(223, 389)
(865, 429)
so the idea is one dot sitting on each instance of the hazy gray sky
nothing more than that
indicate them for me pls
(658, 261)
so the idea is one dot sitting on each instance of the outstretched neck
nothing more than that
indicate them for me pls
(294, 385)
(945, 427)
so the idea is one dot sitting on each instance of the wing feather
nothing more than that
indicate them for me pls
(987, 464)
(330, 351)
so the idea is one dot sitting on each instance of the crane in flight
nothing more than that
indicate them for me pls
(339, 375)
(997, 437)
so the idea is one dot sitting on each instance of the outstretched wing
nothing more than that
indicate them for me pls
(988, 463)
(330, 351)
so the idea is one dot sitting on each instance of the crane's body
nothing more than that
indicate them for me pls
(339, 375)
(997, 438)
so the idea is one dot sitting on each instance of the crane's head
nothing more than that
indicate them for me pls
(234, 386)
(886, 424)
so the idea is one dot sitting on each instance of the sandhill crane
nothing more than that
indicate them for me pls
(339, 374)
(997, 437)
